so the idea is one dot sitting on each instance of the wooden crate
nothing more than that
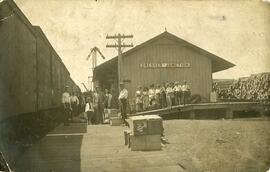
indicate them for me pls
(146, 125)
(145, 142)
(116, 121)
(154, 124)
(138, 125)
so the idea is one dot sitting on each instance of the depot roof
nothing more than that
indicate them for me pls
(218, 64)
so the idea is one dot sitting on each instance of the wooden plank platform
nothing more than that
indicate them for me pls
(194, 145)
(100, 149)
(228, 107)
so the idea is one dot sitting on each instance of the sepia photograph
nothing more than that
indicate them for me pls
(134, 85)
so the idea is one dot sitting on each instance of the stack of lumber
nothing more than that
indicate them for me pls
(255, 88)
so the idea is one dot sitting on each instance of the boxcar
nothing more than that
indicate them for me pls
(18, 68)
(56, 79)
(43, 52)
(32, 79)
(64, 76)
(33, 76)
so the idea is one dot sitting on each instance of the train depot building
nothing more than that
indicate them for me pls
(164, 58)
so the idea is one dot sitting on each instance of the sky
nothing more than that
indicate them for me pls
(237, 31)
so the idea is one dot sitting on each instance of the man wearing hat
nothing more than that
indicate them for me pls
(66, 105)
(123, 96)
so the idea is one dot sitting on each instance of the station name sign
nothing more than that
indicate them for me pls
(165, 65)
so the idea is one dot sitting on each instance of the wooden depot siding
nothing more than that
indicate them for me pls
(164, 50)
(169, 49)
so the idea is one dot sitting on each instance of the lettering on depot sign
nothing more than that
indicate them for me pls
(165, 65)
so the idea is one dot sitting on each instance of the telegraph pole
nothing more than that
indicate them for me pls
(119, 38)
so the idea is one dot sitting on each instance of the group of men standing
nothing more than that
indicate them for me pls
(100, 100)
(157, 96)
(73, 105)
(93, 104)
(97, 102)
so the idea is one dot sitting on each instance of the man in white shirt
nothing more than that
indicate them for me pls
(176, 93)
(89, 110)
(151, 94)
(185, 92)
(66, 105)
(123, 96)
(169, 92)
(138, 101)
(74, 104)
(109, 100)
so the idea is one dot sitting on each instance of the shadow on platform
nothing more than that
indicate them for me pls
(212, 114)
(59, 150)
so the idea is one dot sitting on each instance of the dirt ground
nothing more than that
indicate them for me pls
(220, 145)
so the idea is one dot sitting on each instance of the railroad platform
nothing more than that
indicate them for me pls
(196, 110)
(193, 145)
(79, 147)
